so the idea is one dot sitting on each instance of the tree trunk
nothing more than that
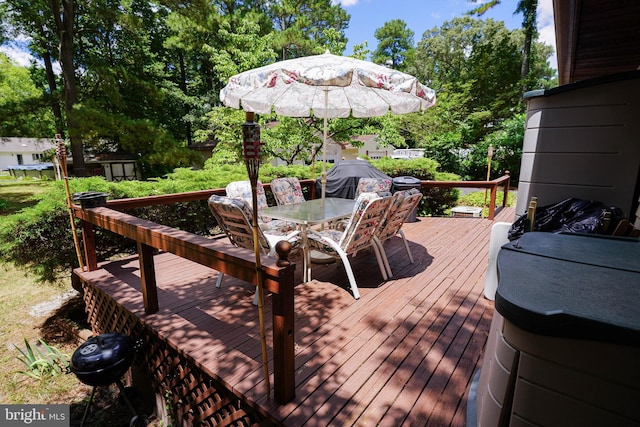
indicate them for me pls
(53, 88)
(529, 9)
(64, 24)
(183, 87)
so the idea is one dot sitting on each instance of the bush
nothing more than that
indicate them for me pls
(436, 201)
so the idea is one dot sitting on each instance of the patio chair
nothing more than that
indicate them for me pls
(242, 190)
(287, 191)
(402, 205)
(367, 213)
(234, 217)
(373, 185)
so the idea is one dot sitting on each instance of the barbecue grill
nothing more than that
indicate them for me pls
(102, 360)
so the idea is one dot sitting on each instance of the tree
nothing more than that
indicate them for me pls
(23, 110)
(64, 18)
(4, 15)
(474, 65)
(301, 27)
(528, 8)
(395, 42)
(291, 139)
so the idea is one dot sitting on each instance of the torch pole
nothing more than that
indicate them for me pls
(489, 157)
(62, 160)
(251, 152)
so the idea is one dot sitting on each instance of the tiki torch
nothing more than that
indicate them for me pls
(489, 158)
(251, 152)
(61, 153)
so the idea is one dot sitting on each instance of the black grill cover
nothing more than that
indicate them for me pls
(343, 177)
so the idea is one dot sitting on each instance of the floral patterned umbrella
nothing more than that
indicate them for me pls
(327, 86)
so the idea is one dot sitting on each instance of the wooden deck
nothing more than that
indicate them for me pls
(403, 354)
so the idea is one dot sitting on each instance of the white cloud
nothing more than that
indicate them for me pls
(20, 56)
(17, 55)
(345, 3)
(546, 28)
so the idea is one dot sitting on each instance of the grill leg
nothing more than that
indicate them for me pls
(86, 410)
(125, 398)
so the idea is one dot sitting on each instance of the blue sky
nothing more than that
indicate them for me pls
(422, 15)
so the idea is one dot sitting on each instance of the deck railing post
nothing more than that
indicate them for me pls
(492, 201)
(89, 243)
(148, 278)
(283, 337)
(506, 188)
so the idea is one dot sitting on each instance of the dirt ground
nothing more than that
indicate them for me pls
(65, 327)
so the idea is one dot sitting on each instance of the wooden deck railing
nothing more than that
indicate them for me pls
(490, 185)
(237, 262)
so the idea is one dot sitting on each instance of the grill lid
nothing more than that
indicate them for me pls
(103, 359)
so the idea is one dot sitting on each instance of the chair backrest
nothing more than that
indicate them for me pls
(242, 190)
(402, 205)
(367, 214)
(234, 217)
(287, 191)
(373, 185)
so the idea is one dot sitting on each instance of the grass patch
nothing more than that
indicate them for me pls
(24, 316)
(17, 194)
(18, 293)
(481, 199)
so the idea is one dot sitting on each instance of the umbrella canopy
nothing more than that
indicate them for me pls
(327, 86)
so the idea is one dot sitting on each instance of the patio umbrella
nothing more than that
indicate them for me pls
(327, 86)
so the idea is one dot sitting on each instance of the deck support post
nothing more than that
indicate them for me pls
(283, 338)
(148, 278)
(89, 243)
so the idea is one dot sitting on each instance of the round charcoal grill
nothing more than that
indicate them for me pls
(102, 360)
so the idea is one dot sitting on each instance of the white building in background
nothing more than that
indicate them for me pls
(369, 146)
(407, 153)
(24, 151)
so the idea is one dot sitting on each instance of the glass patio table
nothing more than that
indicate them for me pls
(311, 212)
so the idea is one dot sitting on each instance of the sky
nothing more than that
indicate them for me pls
(419, 15)
(422, 15)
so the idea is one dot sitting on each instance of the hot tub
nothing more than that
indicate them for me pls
(564, 344)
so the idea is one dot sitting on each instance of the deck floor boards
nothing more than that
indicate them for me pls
(404, 354)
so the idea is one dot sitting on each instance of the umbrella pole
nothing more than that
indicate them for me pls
(324, 145)
(62, 160)
(251, 150)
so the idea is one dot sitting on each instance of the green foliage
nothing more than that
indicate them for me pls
(481, 200)
(24, 110)
(395, 42)
(308, 27)
(291, 139)
(436, 201)
(41, 363)
(507, 151)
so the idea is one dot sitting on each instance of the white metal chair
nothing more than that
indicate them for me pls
(402, 205)
(234, 217)
(242, 190)
(287, 191)
(373, 185)
(367, 213)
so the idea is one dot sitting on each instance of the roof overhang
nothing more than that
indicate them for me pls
(596, 38)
